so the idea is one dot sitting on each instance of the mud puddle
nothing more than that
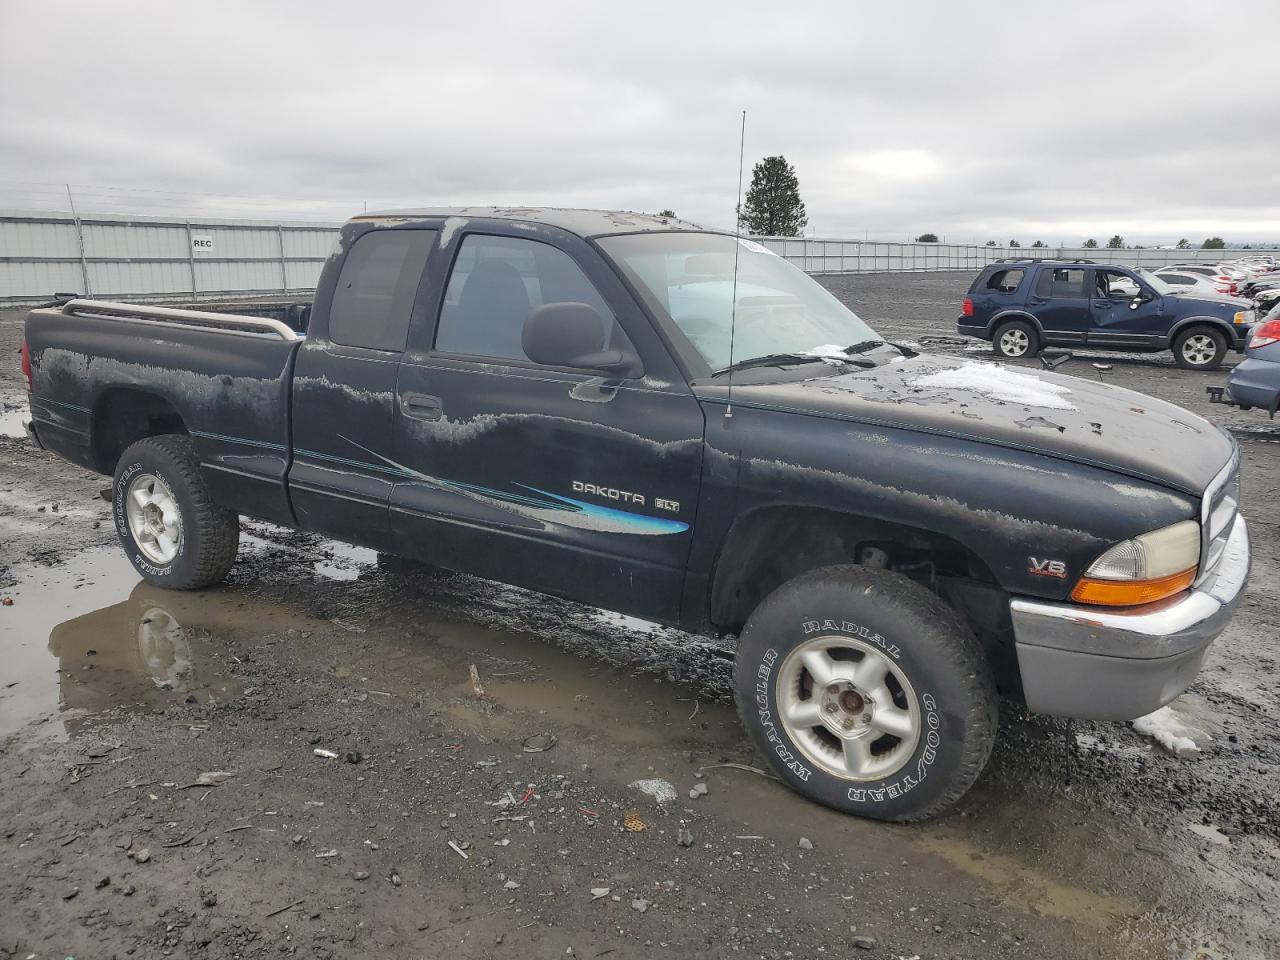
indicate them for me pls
(87, 637)
(13, 413)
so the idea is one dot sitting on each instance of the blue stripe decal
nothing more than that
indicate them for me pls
(650, 524)
(59, 403)
(552, 508)
(252, 443)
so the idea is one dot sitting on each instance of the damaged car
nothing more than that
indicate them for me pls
(672, 422)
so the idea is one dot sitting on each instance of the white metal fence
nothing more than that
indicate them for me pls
(154, 258)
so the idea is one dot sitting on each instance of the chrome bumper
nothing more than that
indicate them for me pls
(1099, 664)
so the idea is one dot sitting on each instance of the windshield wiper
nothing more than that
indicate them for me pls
(862, 346)
(771, 360)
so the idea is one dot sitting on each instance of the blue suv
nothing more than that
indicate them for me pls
(1021, 305)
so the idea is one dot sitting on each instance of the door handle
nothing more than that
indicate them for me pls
(421, 407)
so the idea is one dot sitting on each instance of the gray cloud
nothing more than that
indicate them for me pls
(1053, 122)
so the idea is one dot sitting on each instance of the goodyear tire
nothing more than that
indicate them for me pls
(866, 693)
(1199, 348)
(1016, 340)
(169, 526)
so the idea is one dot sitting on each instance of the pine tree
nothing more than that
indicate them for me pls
(1090, 244)
(773, 207)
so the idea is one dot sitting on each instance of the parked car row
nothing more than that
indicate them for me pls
(1241, 277)
(1023, 304)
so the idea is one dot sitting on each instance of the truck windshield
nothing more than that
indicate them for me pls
(687, 279)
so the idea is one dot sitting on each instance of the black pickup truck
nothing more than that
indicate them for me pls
(674, 423)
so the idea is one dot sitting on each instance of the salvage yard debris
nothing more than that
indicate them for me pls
(538, 743)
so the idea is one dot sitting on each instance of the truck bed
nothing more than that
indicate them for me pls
(96, 365)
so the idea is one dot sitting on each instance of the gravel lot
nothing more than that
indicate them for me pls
(452, 823)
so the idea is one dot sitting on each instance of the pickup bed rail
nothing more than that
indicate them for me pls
(231, 323)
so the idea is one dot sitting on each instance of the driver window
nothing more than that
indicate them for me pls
(496, 282)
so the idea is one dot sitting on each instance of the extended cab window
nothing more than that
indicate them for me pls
(1061, 282)
(1005, 281)
(496, 283)
(376, 288)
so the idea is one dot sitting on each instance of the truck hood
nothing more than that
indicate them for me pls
(1060, 416)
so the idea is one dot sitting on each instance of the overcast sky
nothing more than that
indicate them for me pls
(1053, 121)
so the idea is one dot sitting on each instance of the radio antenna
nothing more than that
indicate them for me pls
(737, 245)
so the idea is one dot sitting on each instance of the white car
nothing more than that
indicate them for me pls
(1222, 282)
(1185, 281)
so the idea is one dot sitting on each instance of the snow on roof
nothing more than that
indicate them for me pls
(1000, 383)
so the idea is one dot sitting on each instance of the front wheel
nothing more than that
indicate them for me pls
(866, 693)
(171, 530)
(1199, 348)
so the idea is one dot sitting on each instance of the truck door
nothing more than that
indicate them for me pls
(1060, 301)
(1126, 312)
(552, 478)
(344, 384)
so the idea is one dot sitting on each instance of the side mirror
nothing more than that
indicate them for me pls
(569, 334)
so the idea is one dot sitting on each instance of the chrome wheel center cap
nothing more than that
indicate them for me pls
(846, 710)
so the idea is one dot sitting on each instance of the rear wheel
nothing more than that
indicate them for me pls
(1199, 348)
(866, 693)
(171, 530)
(1016, 339)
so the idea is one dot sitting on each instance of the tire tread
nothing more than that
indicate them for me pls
(217, 529)
(966, 657)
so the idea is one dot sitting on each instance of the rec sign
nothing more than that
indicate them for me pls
(201, 243)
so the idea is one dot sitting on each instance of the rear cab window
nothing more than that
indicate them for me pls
(376, 289)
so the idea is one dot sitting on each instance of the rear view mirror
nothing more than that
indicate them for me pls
(570, 334)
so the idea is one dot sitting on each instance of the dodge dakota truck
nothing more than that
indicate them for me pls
(672, 422)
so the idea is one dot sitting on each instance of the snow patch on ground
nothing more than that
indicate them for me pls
(1000, 383)
(1174, 730)
(1088, 743)
(660, 790)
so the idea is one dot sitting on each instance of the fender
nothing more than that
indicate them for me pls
(1014, 314)
(1230, 331)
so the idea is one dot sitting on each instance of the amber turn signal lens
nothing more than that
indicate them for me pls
(1131, 593)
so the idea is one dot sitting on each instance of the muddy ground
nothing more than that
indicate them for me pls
(458, 824)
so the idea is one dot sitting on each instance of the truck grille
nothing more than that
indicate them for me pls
(1218, 514)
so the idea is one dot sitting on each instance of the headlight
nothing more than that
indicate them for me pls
(1145, 569)
(1244, 316)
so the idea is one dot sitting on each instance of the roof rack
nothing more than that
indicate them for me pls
(1041, 260)
(233, 323)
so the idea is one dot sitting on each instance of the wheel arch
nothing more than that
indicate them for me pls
(775, 543)
(1008, 315)
(1218, 323)
(124, 415)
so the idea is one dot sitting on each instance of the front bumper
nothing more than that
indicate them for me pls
(1098, 664)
